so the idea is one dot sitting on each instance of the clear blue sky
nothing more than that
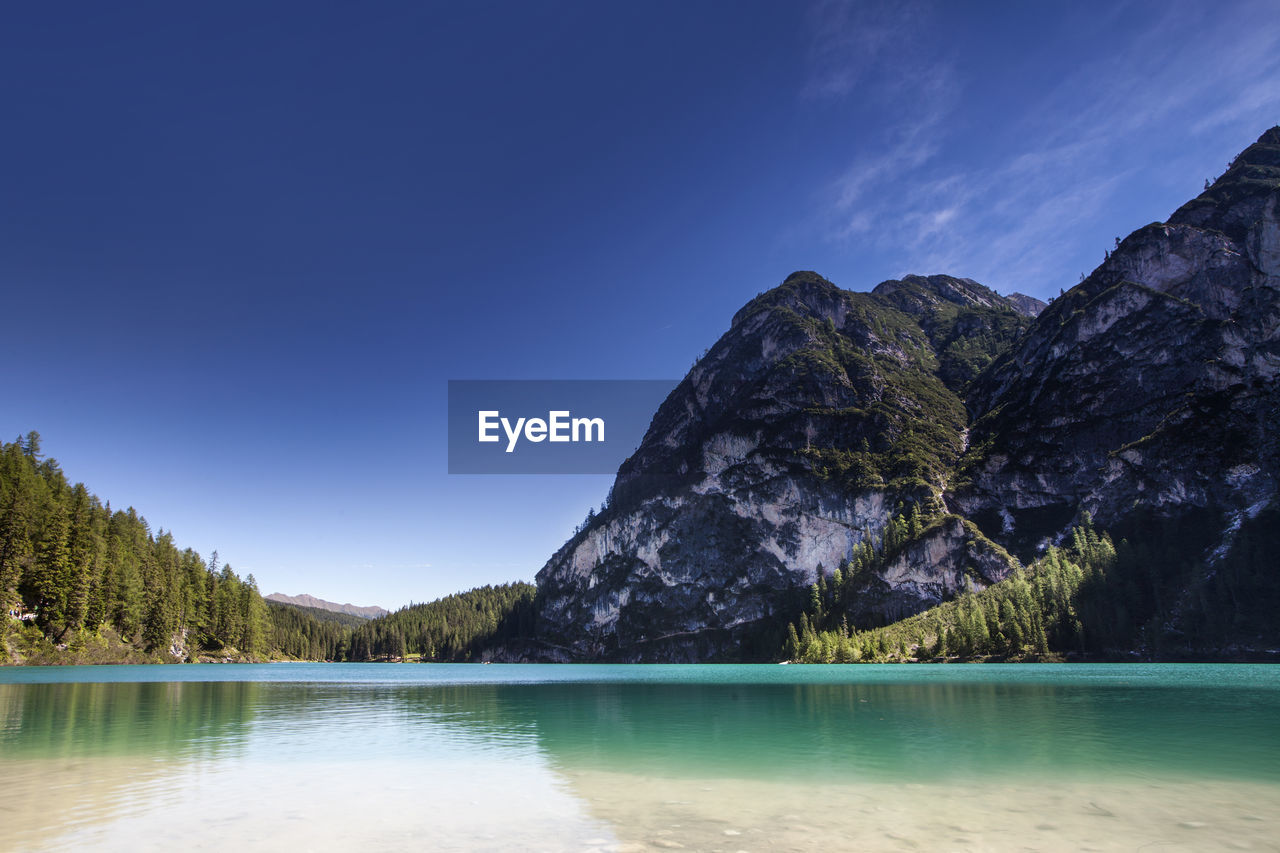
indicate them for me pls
(243, 246)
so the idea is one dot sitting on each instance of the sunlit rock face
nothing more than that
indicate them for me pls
(1149, 390)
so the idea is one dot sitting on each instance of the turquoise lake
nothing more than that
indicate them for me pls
(584, 757)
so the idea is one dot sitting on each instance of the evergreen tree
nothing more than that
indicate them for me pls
(792, 650)
(45, 585)
(80, 567)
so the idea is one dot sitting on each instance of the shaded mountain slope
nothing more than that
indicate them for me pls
(1150, 387)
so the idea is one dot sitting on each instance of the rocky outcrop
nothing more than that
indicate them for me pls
(1028, 305)
(179, 648)
(946, 559)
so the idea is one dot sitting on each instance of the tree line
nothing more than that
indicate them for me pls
(72, 566)
(456, 628)
(310, 633)
(75, 570)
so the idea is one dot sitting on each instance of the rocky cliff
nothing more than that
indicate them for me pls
(1146, 392)
(817, 415)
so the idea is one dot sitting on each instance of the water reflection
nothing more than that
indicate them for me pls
(160, 719)
(270, 766)
(567, 765)
(871, 732)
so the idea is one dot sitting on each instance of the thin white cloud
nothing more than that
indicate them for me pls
(908, 145)
(925, 98)
(1257, 99)
(849, 40)
(1193, 69)
(1193, 60)
(365, 567)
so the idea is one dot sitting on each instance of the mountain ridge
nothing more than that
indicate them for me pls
(823, 417)
(307, 600)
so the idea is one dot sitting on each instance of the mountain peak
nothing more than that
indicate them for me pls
(806, 277)
(803, 291)
(1236, 200)
(917, 293)
(824, 419)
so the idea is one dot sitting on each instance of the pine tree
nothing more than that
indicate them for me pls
(939, 649)
(1011, 628)
(31, 446)
(792, 650)
(46, 583)
(17, 511)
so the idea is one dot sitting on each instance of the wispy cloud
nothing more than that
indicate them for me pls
(849, 41)
(1190, 70)
(871, 51)
(394, 567)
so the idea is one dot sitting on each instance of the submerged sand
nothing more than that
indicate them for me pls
(492, 802)
(737, 814)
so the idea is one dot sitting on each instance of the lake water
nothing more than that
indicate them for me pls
(540, 757)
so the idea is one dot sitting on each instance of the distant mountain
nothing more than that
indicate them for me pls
(304, 600)
(319, 614)
(922, 440)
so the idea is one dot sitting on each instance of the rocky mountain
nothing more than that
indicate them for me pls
(1145, 397)
(304, 600)
(1149, 389)
(794, 439)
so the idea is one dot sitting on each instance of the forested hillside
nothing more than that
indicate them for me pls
(81, 582)
(460, 627)
(1091, 598)
(311, 633)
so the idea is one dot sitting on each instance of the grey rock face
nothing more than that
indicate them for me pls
(947, 559)
(1028, 305)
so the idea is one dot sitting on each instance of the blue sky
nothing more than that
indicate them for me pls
(244, 246)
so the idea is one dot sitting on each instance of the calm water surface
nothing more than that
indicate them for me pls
(458, 757)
